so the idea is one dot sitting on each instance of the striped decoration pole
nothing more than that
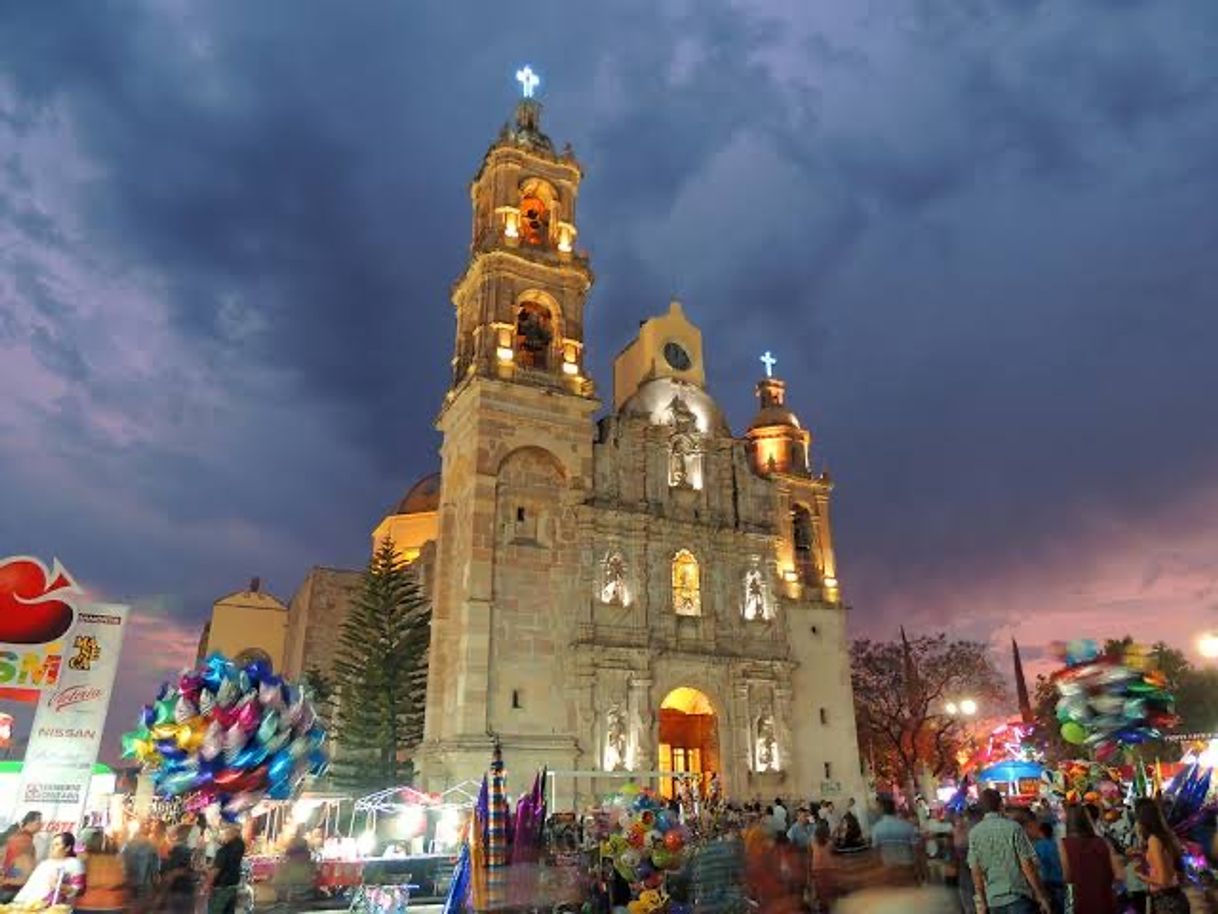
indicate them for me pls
(496, 833)
(477, 848)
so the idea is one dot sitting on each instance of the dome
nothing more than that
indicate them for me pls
(423, 496)
(772, 399)
(774, 415)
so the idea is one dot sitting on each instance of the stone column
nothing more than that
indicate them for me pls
(741, 731)
(782, 727)
(642, 723)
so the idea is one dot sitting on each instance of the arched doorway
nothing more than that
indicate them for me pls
(689, 737)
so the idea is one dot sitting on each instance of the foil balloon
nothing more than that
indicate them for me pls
(227, 694)
(207, 703)
(1109, 700)
(270, 693)
(249, 714)
(234, 741)
(223, 739)
(278, 741)
(184, 710)
(213, 741)
(269, 726)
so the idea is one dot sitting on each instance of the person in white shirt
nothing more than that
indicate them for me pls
(57, 879)
(780, 816)
(829, 815)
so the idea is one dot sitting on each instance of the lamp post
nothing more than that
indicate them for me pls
(1207, 645)
(964, 707)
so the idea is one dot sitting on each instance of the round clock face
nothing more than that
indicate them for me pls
(676, 356)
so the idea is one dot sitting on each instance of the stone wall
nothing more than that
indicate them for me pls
(316, 614)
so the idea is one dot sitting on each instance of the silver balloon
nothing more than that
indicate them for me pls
(227, 694)
(184, 710)
(234, 741)
(213, 741)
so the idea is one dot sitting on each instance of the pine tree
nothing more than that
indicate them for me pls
(380, 676)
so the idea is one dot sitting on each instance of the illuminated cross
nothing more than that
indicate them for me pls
(769, 362)
(528, 80)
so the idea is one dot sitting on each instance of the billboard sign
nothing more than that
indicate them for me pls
(62, 652)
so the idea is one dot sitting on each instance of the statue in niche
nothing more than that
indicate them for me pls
(613, 588)
(679, 462)
(615, 738)
(684, 421)
(767, 744)
(754, 595)
(683, 448)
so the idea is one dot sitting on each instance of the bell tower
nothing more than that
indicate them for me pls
(520, 301)
(516, 468)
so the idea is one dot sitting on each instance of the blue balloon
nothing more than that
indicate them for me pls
(148, 715)
(281, 766)
(215, 669)
(251, 756)
(257, 671)
(280, 790)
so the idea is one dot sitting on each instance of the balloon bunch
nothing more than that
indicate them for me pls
(645, 841)
(1110, 700)
(228, 736)
(1188, 791)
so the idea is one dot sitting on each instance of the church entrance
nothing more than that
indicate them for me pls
(689, 738)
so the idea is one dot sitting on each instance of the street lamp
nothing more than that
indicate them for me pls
(965, 707)
(1207, 645)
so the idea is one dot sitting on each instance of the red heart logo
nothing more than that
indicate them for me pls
(29, 610)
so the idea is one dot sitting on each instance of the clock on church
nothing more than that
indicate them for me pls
(676, 356)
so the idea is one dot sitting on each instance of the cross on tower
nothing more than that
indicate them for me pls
(528, 80)
(769, 362)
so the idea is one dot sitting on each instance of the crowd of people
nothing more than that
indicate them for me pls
(774, 858)
(987, 859)
(1079, 858)
(157, 868)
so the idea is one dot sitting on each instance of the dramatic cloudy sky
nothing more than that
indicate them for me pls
(981, 236)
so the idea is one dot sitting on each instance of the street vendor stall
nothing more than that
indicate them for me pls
(1018, 781)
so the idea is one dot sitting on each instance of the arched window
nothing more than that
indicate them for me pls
(686, 585)
(538, 203)
(802, 533)
(534, 332)
(534, 221)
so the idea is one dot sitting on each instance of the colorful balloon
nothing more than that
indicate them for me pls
(220, 738)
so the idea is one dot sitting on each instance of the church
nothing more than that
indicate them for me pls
(621, 586)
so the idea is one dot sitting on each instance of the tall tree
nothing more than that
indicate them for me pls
(901, 693)
(380, 676)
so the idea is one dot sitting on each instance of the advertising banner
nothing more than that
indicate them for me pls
(64, 653)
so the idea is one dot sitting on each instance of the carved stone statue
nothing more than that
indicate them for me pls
(678, 461)
(615, 738)
(754, 595)
(767, 744)
(683, 450)
(613, 587)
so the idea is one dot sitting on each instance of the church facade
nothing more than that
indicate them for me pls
(640, 592)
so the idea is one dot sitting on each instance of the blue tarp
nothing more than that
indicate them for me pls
(1006, 772)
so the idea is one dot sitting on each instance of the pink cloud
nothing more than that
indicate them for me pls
(1154, 577)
